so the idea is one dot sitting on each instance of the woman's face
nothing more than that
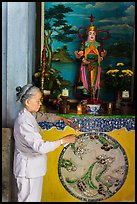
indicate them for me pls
(91, 35)
(33, 104)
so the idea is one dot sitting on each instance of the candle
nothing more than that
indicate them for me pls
(46, 92)
(125, 94)
(65, 92)
(110, 105)
(79, 109)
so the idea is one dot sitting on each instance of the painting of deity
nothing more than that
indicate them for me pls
(63, 20)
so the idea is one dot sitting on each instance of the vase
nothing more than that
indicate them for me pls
(93, 109)
(118, 100)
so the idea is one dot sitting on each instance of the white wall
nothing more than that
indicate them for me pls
(18, 54)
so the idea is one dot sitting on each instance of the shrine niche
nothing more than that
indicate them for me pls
(93, 169)
(61, 39)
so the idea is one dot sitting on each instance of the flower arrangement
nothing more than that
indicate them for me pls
(53, 81)
(118, 77)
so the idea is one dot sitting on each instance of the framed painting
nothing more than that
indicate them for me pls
(61, 23)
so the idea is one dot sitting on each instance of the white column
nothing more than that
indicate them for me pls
(19, 46)
(4, 68)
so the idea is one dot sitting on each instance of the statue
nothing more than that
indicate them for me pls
(91, 55)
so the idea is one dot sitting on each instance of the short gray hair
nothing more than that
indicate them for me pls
(26, 92)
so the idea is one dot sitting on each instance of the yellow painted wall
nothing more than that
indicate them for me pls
(54, 191)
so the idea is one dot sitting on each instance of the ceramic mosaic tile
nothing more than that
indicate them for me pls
(100, 124)
(94, 168)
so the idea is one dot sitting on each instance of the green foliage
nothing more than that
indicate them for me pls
(55, 21)
(53, 81)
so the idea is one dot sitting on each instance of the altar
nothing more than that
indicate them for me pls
(99, 167)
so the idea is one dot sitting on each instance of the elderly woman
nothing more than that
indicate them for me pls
(30, 149)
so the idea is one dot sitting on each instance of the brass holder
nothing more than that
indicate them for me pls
(43, 107)
(79, 109)
(110, 108)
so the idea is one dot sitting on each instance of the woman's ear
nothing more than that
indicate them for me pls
(27, 102)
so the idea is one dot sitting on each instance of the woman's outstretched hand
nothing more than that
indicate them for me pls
(67, 121)
(69, 139)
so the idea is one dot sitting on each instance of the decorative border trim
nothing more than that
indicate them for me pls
(99, 124)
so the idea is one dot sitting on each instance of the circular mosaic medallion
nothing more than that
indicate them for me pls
(94, 168)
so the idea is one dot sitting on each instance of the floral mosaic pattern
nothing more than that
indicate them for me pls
(101, 124)
(94, 168)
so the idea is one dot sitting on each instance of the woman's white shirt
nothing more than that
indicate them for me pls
(30, 149)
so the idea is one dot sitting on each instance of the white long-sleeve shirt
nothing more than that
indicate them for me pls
(30, 149)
